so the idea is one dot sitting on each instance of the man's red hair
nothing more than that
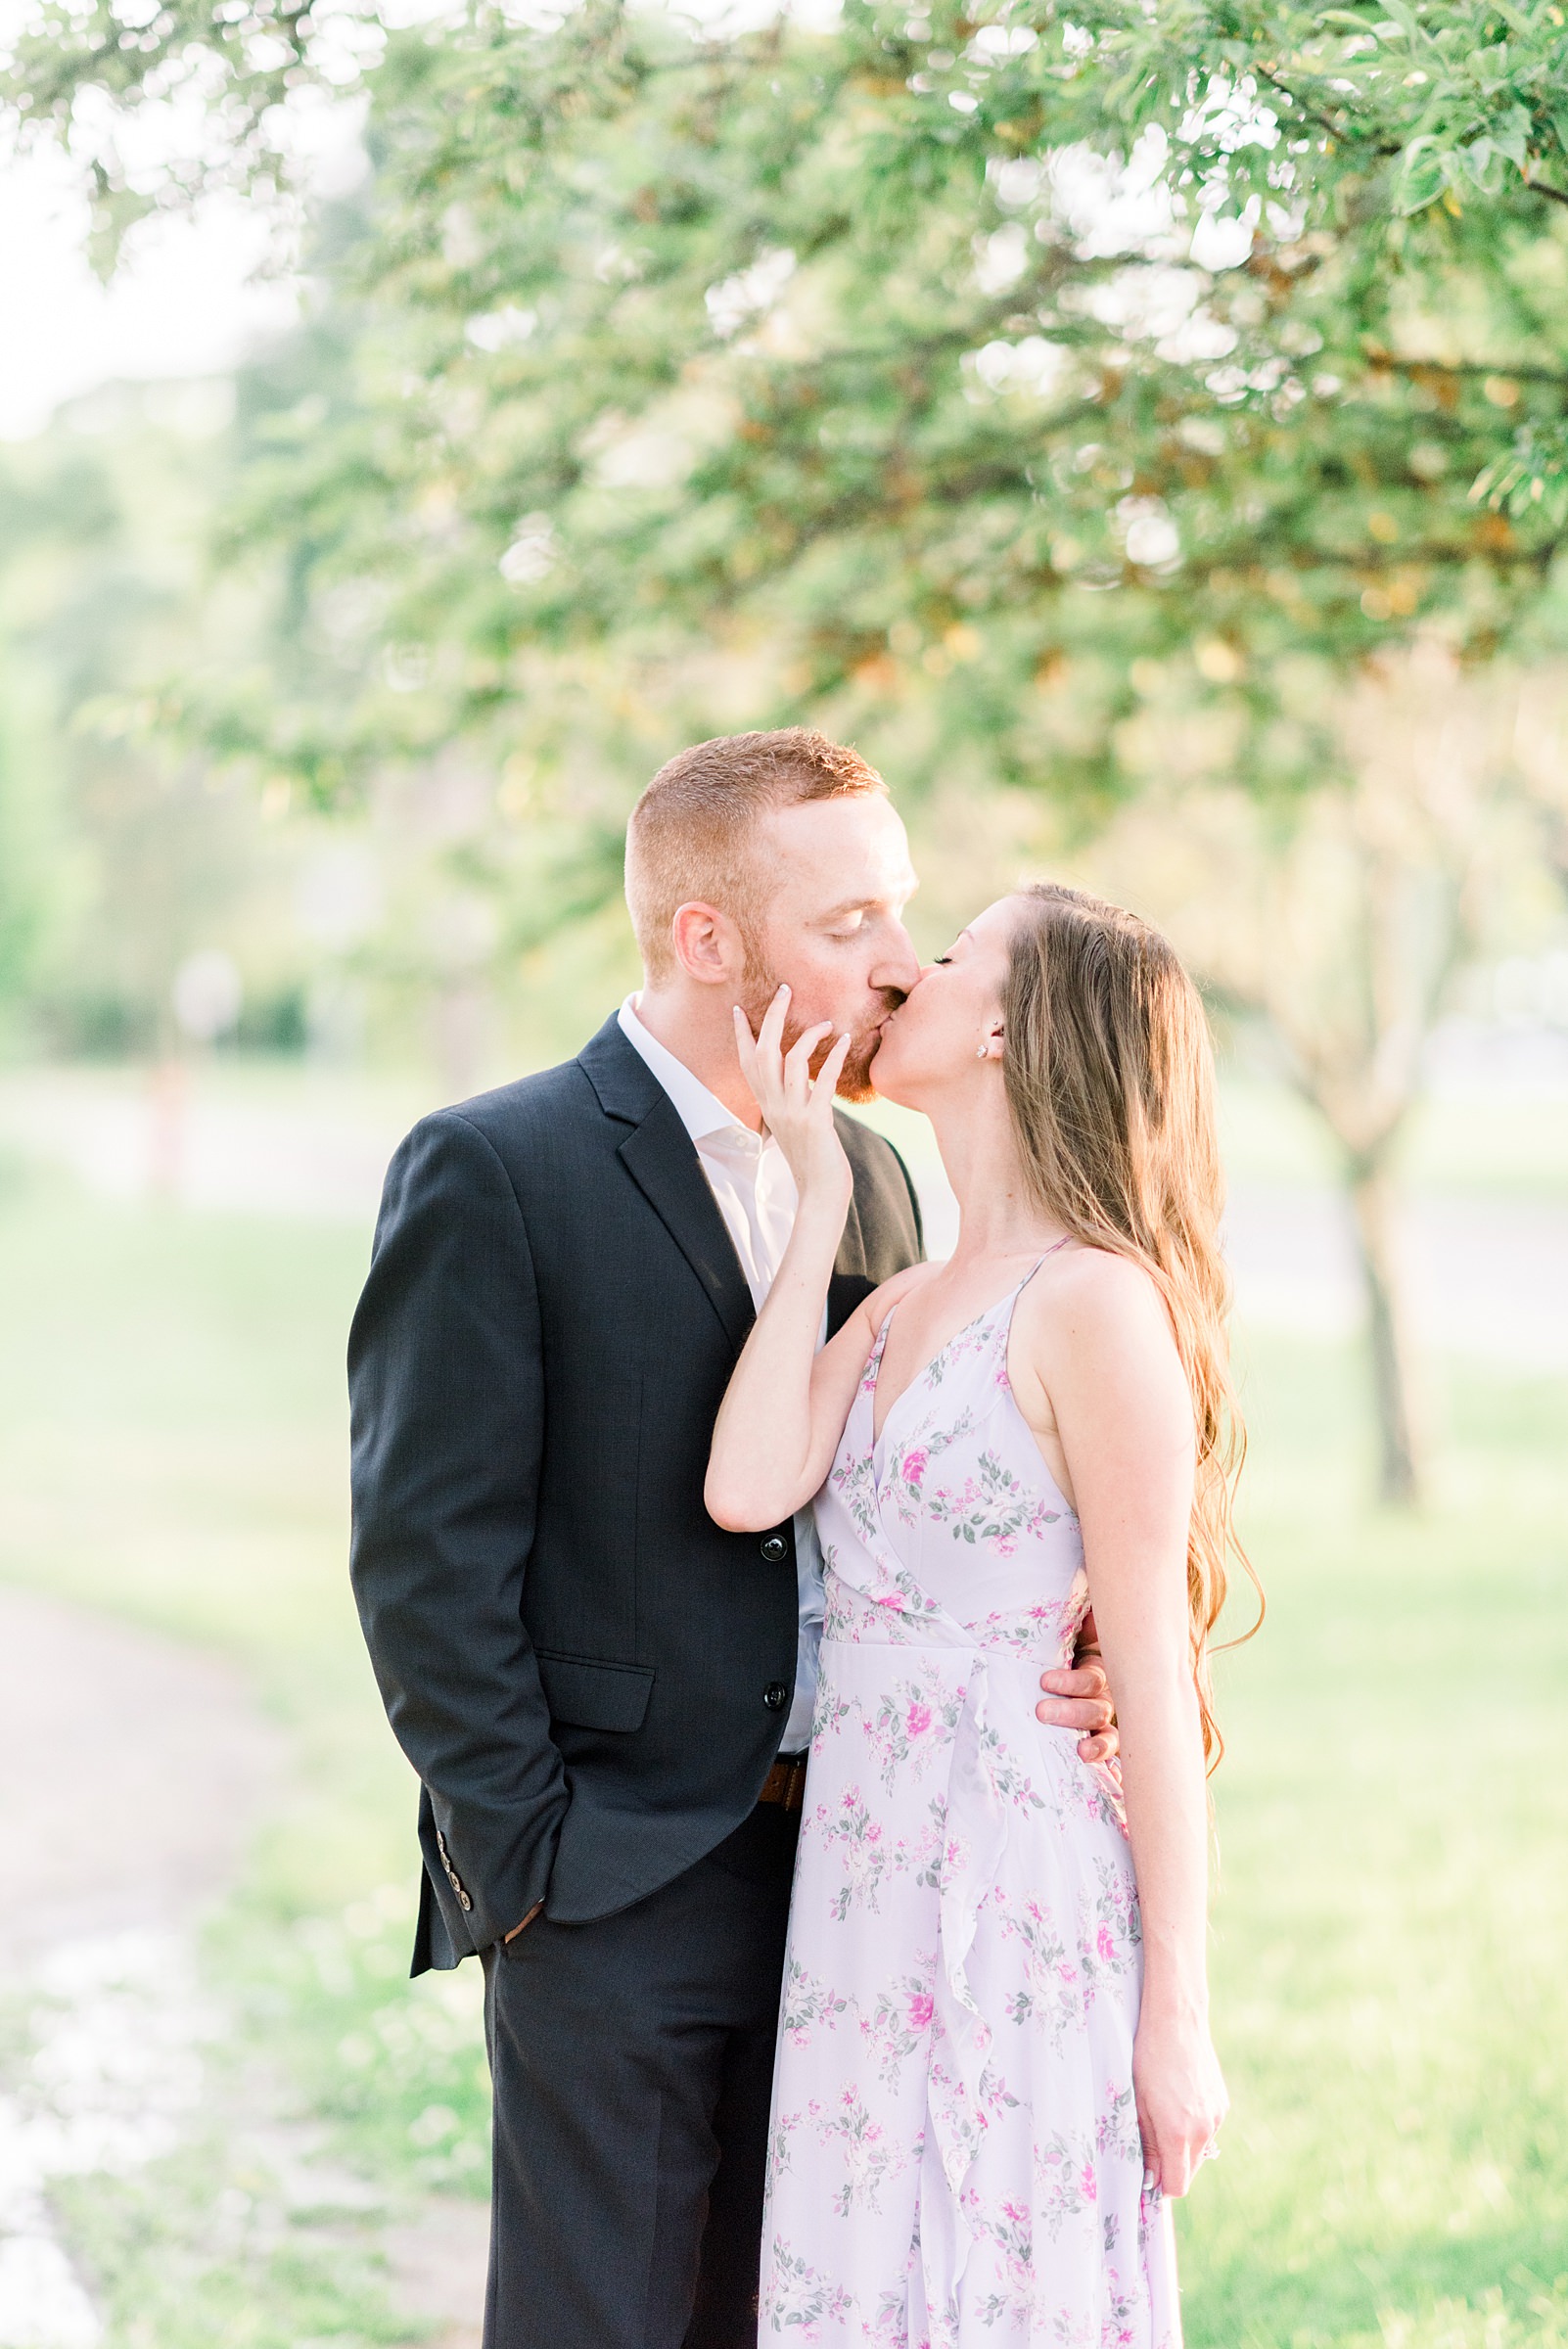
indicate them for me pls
(693, 833)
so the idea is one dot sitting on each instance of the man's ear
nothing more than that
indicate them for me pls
(707, 945)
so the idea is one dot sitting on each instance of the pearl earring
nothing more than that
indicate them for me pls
(983, 1053)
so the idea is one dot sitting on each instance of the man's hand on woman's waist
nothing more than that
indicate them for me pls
(1078, 1696)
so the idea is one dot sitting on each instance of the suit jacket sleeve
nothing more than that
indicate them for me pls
(915, 1207)
(445, 1381)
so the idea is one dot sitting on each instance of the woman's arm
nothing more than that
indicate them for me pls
(1105, 1357)
(784, 1410)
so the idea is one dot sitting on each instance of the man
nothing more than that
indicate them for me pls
(607, 1697)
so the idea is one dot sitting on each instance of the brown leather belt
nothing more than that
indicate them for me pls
(785, 1783)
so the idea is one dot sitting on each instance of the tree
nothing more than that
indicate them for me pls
(937, 376)
(121, 850)
(1342, 918)
(933, 365)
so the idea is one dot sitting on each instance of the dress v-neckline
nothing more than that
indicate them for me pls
(923, 1374)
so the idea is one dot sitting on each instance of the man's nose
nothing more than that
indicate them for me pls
(899, 965)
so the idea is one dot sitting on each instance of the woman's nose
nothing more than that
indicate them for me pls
(922, 973)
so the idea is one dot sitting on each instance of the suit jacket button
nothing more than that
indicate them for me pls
(775, 1548)
(775, 1696)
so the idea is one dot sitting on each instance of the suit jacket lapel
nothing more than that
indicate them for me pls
(849, 1283)
(851, 1248)
(660, 1160)
(659, 1157)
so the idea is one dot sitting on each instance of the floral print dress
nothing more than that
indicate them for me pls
(954, 2154)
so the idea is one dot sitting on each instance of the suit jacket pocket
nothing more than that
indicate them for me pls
(588, 1694)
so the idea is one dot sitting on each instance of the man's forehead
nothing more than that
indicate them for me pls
(854, 850)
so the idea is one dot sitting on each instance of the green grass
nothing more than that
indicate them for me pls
(1392, 1916)
(1389, 1972)
(172, 1447)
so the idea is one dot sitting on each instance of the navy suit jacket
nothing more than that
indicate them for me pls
(589, 1677)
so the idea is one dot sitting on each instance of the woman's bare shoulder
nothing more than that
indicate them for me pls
(882, 1301)
(1095, 1297)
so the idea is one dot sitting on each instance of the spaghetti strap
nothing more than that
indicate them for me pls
(1055, 1247)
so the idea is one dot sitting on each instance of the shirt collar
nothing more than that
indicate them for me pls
(702, 1112)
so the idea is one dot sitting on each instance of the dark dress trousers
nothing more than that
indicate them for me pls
(589, 1677)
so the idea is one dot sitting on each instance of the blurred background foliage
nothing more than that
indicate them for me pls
(1115, 424)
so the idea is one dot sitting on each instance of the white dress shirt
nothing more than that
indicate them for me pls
(750, 1178)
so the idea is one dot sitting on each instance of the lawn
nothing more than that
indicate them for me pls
(1390, 1939)
(1393, 1914)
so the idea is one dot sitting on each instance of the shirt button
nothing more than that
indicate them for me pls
(775, 1548)
(775, 1696)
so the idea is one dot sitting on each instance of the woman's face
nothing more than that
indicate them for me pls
(936, 1035)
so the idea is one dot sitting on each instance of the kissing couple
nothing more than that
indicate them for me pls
(737, 1584)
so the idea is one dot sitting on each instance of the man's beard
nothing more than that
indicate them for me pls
(854, 1078)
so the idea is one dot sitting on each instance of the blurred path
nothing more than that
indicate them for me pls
(1486, 1277)
(132, 1771)
(131, 1774)
(310, 1144)
(1487, 1273)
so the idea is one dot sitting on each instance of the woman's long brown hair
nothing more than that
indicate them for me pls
(1109, 1071)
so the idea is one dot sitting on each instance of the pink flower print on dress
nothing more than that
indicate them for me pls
(915, 1465)
(896, 2030)
(1066, 2181)
(993, 1509)
(868, 1376)
(912, 1727)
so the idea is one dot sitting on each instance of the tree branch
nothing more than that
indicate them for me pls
(1465, 368)
(1325, 122)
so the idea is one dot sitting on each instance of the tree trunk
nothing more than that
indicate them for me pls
(1400, 1478)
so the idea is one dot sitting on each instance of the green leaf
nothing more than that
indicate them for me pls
(1422, 177)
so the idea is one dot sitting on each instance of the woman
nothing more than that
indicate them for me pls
(994, 2066)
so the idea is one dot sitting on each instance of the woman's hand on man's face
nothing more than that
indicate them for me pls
(796, 1111)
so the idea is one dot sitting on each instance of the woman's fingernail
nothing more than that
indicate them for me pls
(783, 987)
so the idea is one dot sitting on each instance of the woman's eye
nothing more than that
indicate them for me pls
(944, 958)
